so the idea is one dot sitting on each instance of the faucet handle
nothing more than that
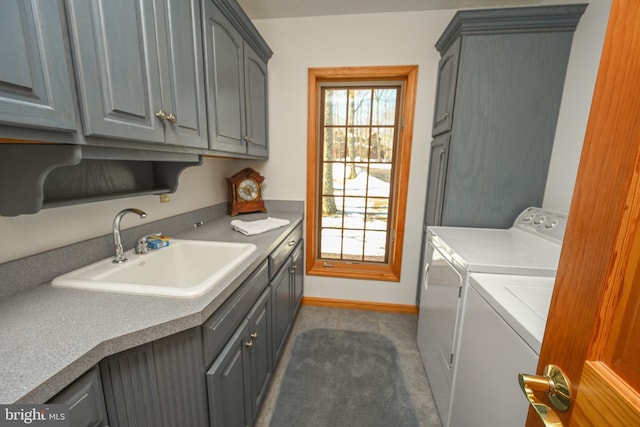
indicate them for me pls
(141, 245)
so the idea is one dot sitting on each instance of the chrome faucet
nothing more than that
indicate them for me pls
(120, 258)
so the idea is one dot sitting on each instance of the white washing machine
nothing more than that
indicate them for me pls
(504, 320)
(531, 247)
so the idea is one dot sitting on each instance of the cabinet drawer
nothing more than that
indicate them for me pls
(218, 329)
(280, 254)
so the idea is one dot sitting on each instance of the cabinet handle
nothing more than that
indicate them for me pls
(248, 139)
(162, 115)
(250, 343)
(293, 269)
(172, 118)
(445, 115)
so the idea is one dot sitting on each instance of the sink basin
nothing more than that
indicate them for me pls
(184, 269)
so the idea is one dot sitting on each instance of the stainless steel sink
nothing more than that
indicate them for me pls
(184, 269)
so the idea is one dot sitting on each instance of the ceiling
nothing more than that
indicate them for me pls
(261, 9)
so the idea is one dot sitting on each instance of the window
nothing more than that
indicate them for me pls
(359, 145)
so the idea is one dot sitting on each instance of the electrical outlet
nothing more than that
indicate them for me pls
(165, 198)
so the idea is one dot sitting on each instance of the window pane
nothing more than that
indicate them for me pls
(356, 182)
(359, 107)
(382, 145)
(352, 245)
(331, 243)
(384, 106)
(358, 144)
(377, 214)
(333, 144)
(354, 206)
(332, 208)
(378, 187)
(375, 246)
(335, 108)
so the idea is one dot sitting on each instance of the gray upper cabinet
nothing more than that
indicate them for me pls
(498, 135)
(236, 82)
(256, 103)
(35, 87)
(446, 89)
(183, 74)
(141, 79)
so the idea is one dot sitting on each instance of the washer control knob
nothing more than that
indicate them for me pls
(550, 223)
(538, 220)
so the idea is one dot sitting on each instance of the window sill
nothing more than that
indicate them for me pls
(351, 270)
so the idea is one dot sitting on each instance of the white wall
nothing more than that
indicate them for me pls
(575, 107)
(395, 39)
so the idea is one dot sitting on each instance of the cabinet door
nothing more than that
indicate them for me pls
(256, 103)
(182, 74)
(446, 89)
(130, 388)
(229, 383)
(297, 274)
(259, 325)
(117, 68)
(181, 381)
(224, 65)
(437, 177)
(35, 87)
(281, 300)
(157, 384)
(85, 400)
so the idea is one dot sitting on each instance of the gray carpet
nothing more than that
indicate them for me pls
(343, 378)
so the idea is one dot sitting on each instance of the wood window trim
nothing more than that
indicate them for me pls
(385, 272)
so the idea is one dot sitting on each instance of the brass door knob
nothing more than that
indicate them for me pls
(555, 384)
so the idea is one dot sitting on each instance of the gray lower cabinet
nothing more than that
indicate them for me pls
(143, 78)
(437, 174)
(296, 277)
(236, 86)
(85, 400)
(281, 298)
(239, 377)
(35, 82)
(157, 384)
(286, 272)
(500, 85)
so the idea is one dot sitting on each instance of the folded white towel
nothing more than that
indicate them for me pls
(250, 228)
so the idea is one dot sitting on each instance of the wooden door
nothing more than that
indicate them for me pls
(593, 330)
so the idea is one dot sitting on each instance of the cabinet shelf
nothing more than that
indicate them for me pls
(36, 176)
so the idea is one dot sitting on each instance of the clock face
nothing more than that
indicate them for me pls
(248, 190)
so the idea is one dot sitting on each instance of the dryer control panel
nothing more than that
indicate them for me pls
(543, 222)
